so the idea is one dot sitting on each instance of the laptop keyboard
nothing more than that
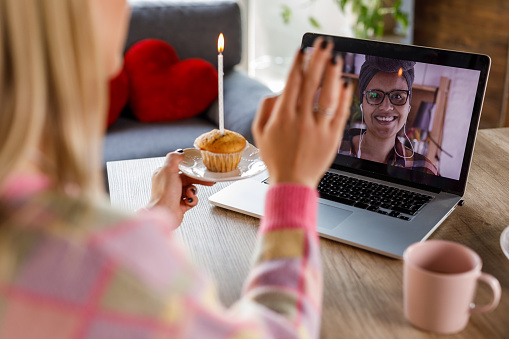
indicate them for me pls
(371, 196)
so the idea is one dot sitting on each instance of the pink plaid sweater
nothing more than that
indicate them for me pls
(81, 272)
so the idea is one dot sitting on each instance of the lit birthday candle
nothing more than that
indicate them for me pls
(220, 49)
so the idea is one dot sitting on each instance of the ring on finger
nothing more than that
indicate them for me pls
(325, 111)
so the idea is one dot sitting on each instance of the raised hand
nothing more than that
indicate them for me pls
(298, 132)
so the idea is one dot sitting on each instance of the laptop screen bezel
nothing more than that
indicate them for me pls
(420, 54)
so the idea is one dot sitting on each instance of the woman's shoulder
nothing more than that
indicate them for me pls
(69, 245)
(122, 236)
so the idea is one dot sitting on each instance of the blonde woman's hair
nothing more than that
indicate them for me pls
(52, 91)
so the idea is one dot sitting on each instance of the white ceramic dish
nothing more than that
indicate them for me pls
(504, 242)
(249, 166)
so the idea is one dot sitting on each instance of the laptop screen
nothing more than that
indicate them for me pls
(414, 114)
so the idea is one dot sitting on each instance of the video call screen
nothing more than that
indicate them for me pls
(423, 128)
(414, 114)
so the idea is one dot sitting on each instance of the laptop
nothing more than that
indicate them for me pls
(425, 183)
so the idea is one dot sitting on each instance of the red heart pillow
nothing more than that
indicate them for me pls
(162, 88)
(119, 94)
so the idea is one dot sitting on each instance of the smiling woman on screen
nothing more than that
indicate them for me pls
(385, 89)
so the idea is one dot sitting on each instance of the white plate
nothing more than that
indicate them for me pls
(250, 165)
(504, 242)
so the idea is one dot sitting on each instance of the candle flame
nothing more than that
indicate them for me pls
(400, 72)
(220, 43)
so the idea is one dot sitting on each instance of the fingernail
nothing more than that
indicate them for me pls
(189, 200)
(324, 44)
(302, 50)
(347, 82)
(193, 190)
(180, 150)
(334, 59)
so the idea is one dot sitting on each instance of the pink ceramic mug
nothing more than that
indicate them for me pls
(439, 283)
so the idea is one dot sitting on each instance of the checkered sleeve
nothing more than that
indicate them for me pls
(286, 281)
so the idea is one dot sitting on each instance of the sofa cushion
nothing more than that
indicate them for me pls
(164, 88)
(191, 27)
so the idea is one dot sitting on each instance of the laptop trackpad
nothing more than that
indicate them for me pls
(329, 217)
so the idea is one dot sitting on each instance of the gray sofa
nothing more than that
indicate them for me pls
(192, 28)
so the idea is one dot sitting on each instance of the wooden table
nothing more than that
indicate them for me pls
(363, 291)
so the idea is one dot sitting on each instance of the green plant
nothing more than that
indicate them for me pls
(371, 15)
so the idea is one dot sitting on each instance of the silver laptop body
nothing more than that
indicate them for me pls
(454, 102)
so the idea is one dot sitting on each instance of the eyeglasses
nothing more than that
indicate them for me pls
(397, 97)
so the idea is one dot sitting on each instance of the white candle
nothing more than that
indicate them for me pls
(220, 48)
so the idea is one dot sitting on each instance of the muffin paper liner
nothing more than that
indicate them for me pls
(221, 162)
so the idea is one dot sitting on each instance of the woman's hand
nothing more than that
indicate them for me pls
(299, 131)
(172, 189)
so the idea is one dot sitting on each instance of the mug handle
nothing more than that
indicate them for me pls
(492, 282)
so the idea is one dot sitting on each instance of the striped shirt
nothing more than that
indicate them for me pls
(411, 160)
(81, 271)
